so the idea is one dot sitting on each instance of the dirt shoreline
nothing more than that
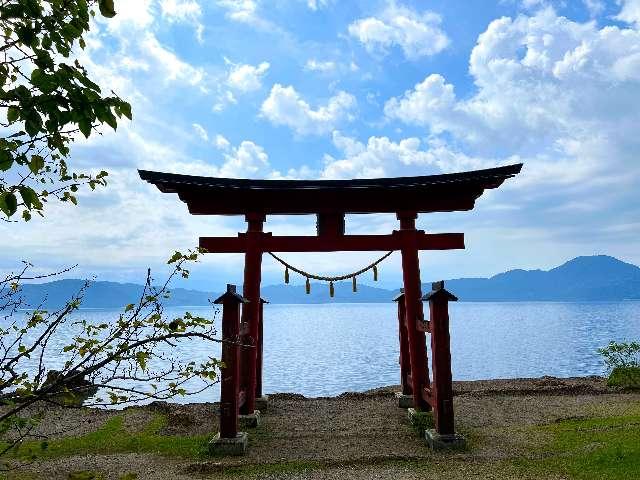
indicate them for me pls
(355, 430)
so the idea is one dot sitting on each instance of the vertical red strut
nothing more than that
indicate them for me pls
(251, 311)
(260, 350)
(230, 382)
(405, 360)
(442, 388)
(413, 308)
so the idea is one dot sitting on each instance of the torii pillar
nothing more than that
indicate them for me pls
(251, 311)
(419, 376)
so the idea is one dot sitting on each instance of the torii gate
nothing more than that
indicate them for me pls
(330, 201)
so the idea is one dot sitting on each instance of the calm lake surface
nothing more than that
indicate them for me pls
(322, 350)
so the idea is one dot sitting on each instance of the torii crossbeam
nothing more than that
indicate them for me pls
(330, 201)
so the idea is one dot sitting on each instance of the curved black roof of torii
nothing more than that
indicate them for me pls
(430, 193)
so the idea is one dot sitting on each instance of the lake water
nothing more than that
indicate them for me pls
(321, 350)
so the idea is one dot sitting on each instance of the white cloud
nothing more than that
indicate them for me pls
(239, 10)
(541, 79)
(317, 4)
(630, 11)
(246, 11)
(185, 11)
(595, 7)
(171, 66)
(221, 142)
(181, 10)
(431, 102)
(382, 157)
(246, 160)
(284, 106)
(200, 131)
(418, 34)
(239, 79)
(137, 14)
(319, 66)
(247, 78)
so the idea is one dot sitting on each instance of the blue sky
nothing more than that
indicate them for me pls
(331, 89)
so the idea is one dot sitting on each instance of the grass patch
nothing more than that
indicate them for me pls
(112, 437)
(591, 448)
(421, 421)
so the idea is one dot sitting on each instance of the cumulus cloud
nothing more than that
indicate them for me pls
(541, 79)
(630, 11)
(381, 157)
(285, 106)
(595, 7)
(239, 79)
(221, 142)
(138, 14)
(184, 11)
(417, 34)
(247, 78)
(245, 160)
(172, 67)
(246, 11)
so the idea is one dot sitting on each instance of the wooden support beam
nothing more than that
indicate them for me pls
(270, 243)
(259, 362)
(251, 311)
(442, 387)
(408, 236)
(230, 374)
(405, 360)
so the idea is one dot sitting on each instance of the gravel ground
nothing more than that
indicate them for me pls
(355, 434)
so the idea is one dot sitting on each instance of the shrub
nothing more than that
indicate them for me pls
(623, 363)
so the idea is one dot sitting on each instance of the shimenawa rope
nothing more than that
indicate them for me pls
(373, 266)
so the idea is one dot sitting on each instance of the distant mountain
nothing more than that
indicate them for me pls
(596, 278)
(103, 294)
(593, 278)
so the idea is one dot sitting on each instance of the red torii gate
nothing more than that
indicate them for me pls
(330, 201)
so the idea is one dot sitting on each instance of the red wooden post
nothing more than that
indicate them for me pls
(413, 308)
(442, 388)
(405, 360)
(260, 350)
(230, 382)
(251, 312)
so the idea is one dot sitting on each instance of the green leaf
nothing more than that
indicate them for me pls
(6, 160)
(125, 109)
(13, 113)
(29, 197)
(107, 8)
(141, 358)
(85, 127)
(36, 164)
(174, 258)
(8, 203)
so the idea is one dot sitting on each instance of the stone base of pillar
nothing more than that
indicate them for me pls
(262, 403)
(404, 401)
(444, 442)
(229, 446)
(250, 421)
